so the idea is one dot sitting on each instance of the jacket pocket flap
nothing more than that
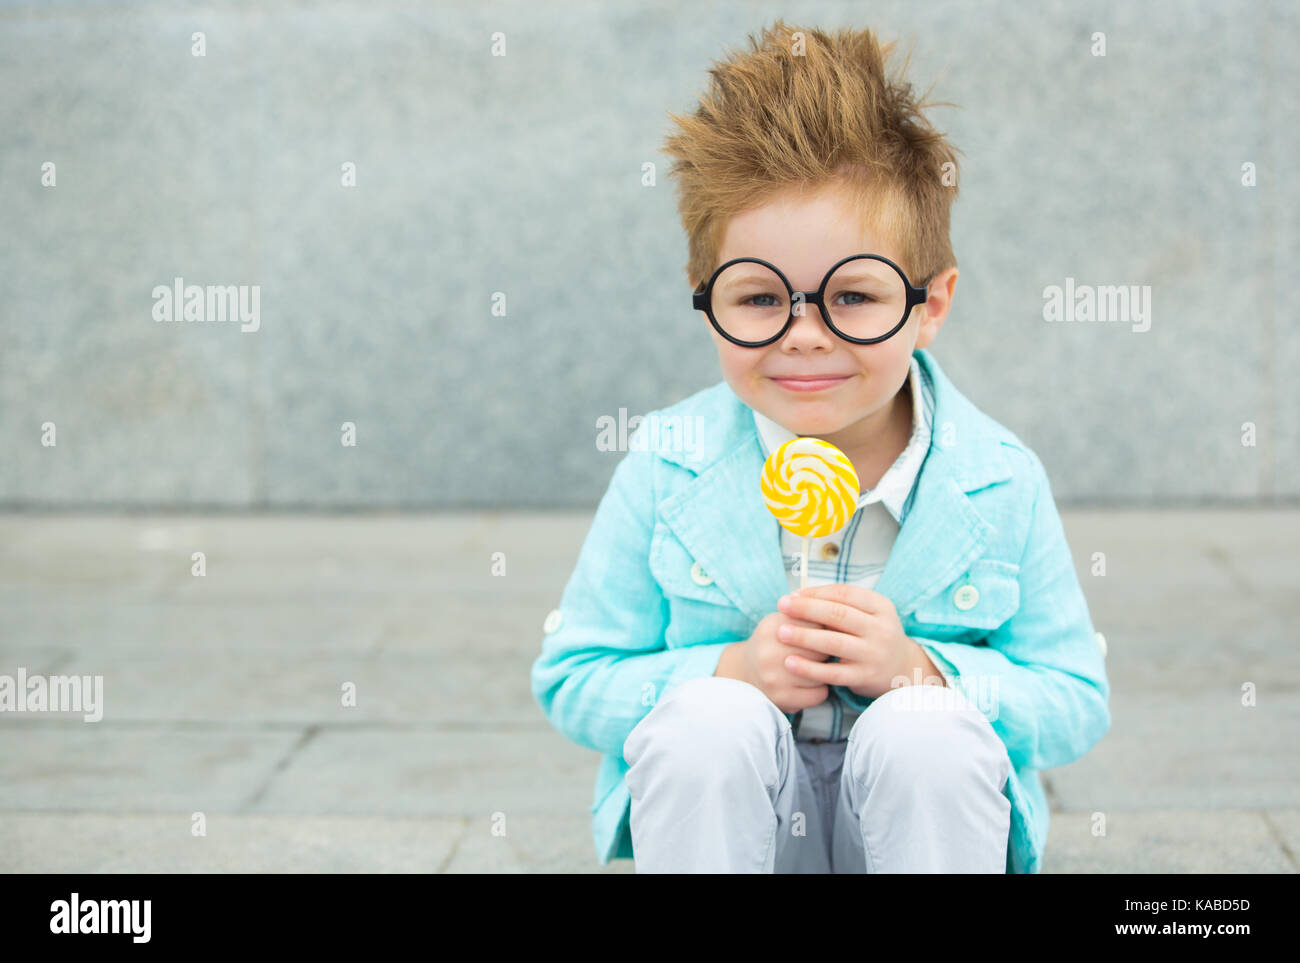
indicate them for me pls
(677, 573)
(995, 599)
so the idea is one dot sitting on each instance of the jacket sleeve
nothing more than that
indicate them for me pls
(606, 665)
(1040, 676)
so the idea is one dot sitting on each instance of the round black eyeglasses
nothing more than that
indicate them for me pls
(864, 299)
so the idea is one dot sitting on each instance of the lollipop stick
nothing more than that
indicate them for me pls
(803, 563)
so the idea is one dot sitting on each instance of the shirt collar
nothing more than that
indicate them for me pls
(899, 479)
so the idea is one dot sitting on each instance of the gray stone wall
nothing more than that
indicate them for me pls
(522, 174)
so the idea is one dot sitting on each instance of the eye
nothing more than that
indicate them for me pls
(775, 300)
(864, 298)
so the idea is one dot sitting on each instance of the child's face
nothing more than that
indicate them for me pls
(804, 235)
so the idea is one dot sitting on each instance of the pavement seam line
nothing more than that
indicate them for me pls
(307, 736)
(1221, 557)
(455, 846)
(1279, 839)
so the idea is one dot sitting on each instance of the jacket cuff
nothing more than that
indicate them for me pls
(851, 698)
(694, 661)
(946, 669)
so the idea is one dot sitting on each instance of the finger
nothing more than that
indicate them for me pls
(856, 596)
(795, 624)
(804, 653)
(802, 682)
(829, 673)
(831, 614)
(812, 697)
(787, 620)
(826, 642)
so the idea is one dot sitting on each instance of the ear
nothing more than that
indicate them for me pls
(935, 310)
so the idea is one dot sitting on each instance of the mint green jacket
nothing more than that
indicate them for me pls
(635, 620)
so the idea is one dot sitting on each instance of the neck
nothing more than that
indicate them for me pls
(874, 443)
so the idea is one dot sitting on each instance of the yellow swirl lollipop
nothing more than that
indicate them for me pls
(811, 488)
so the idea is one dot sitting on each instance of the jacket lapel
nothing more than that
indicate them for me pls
(939, 539)
(721, 519)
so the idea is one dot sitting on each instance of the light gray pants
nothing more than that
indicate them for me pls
(719, 784)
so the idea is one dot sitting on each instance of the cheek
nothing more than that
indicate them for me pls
(740, 370)
(876, 365)
(737, 364)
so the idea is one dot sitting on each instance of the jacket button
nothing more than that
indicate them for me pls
(699, 576)
(552, 621)
(965, 597)
(830, 550)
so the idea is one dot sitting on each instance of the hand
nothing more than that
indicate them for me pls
(760, 661)
(859, 627)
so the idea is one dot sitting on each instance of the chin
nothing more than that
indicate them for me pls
(805, 423)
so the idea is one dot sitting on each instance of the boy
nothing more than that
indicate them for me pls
(892, 716)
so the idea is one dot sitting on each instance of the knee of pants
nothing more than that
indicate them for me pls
(933, 734)
(702, 720)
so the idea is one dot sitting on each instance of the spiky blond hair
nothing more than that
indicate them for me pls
(801, 109)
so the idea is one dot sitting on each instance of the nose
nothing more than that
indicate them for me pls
(808, 330)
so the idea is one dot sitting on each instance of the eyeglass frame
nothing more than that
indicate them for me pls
(702, 300)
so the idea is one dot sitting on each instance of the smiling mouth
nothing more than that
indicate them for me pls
(814, 383)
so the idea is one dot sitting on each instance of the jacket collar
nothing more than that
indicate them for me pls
(740, 546)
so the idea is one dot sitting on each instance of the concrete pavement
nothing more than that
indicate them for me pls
(223, 695)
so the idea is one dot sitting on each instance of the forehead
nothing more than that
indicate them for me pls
(804, 232)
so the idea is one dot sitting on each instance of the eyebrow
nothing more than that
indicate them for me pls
(862, 275)
(754, 277)
(762, 278)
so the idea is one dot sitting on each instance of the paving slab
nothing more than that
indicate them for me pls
(222, 694)
(475, 772)
(285, 686)
(73, 766)
(42, 842)
(1168, 750)
(1169, 841)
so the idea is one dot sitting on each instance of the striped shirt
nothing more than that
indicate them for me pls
(856, 553)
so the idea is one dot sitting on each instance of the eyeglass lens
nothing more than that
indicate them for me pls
(866, 298)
